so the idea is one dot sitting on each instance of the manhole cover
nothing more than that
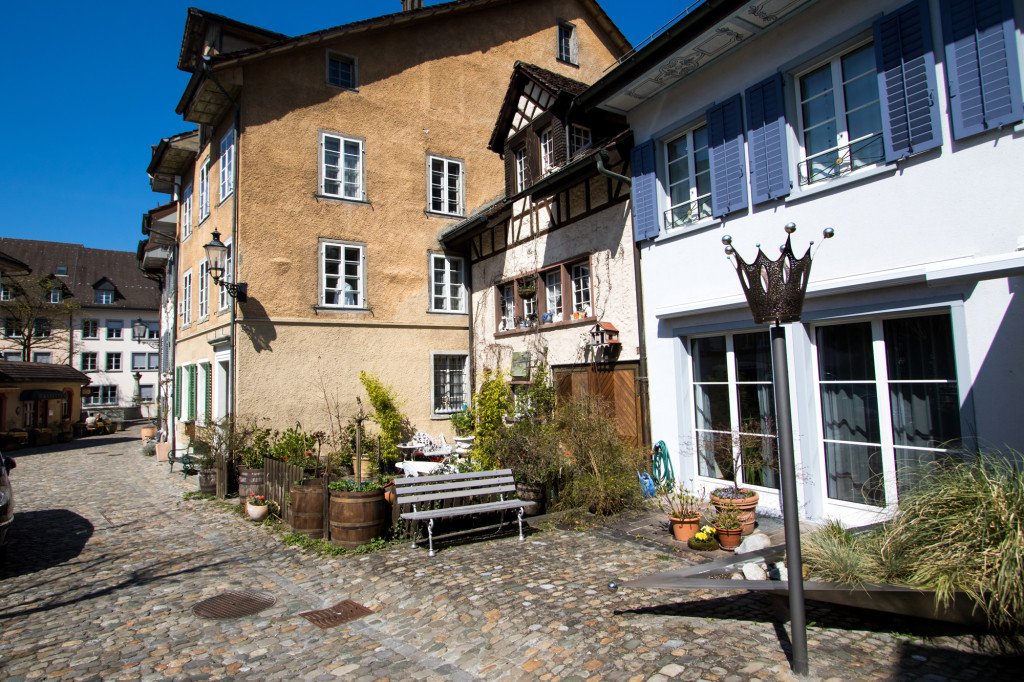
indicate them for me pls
(234, 604)
(342, 612)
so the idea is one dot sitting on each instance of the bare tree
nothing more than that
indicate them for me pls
(37, 314)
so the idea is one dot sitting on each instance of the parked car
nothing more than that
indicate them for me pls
(6, 497)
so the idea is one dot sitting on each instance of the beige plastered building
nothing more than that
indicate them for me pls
(329, 163)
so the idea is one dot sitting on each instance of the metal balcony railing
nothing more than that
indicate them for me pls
(842, 160)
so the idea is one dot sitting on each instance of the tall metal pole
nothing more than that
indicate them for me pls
(790, 511)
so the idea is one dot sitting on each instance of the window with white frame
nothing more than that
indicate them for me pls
(839, 118)
(342, 275)
(90, 329)
(689, 178)
(341, 166)
(146, 393)
(115, 329)
(139, 361)
(152, 330)
(56, 296)
(88, 362)
(507, 301)
(6, 293)
(734, 408)
(447, 284)
(101, 395)
(186, 212)
(522, 177)
(42, 328)
(553, 297)
(12, 328)
(341, 71)
(889, 403)
(113, 362)
(229, 263)
(446, 191)
(579, 138)
(204, 290)
(227, 165)
(581, 288)
(104, 296)
(449, 383)
(44, 357)
(567, 43)
(547, 152)
(204, 191)
(186, 299)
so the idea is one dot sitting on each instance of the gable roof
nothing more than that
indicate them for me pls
(552, 88)
(9, 265)
(195, 30)
(39, 372)
(86, 268)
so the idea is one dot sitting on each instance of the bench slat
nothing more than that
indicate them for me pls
(468, 486)
(455, 495)
(466, 510)
(414, 480)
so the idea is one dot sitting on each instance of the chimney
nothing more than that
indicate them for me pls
(409, 5)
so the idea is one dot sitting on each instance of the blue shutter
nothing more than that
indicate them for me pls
(725, 146)
(645, 192)
(981, 65)
(906, 81)
(766, 141)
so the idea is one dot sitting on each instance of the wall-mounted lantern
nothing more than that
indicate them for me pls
(216, 253)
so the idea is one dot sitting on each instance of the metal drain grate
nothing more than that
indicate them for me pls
(234, 604)
(342, 612)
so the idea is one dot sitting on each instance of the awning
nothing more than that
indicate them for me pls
(41, 394)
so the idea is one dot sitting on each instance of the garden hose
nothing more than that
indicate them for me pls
(661, 465)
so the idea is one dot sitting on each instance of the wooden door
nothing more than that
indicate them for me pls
(619, 385)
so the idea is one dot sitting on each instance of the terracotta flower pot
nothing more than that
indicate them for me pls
(729, 538)
(684, 529)
(389, 493)
(257, 513)
(744, 505)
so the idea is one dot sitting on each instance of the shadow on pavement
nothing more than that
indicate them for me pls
(42, 539)
(77, 444)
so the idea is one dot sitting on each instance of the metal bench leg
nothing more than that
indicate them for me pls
(415, 532)
(520, 516)
(430, 536)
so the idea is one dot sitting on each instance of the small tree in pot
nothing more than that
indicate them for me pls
(752, 450)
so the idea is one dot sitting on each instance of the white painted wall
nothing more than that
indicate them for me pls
(124, 379)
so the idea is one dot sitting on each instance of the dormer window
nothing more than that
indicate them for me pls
(521, 172)
(568, 48)
(62, 271)
(547, 152)
(55, 296)
(341, 71)
(104, 293)
(579, 138)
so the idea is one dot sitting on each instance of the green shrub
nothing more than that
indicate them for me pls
(351, 486)
(531, 451)
(492, 402)
(296, 447)
(393, 424)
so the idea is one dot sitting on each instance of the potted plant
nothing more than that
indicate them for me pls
(530, 449)
(257, 507)
(358, 512)
(703, 540)
(684, 509)
(206, 460)
(743, 451)
(526, 286)
(728, 524)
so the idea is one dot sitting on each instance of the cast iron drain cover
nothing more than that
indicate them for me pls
(342, 612)
(234, 604)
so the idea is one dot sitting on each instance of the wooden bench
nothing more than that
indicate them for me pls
(186, 457)
(458, 487)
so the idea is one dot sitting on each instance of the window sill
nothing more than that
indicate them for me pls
(225, 309)
(442, 214)
(339, 309)
(567, 62)
(676, 232)
(202, 219)
(186, 326)
(225, 197)
(521, 331)
(446, 312)
(340, 200)
(335, 86)
(817, 188)
(202, 319)
(441, 417)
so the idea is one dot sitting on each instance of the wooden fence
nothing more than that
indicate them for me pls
(279, 477)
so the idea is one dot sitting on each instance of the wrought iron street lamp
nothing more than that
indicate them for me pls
(216, 255)
(775, 291)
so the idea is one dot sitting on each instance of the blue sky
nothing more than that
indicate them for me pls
(89, 87)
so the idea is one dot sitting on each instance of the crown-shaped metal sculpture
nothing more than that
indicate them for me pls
(775, 289)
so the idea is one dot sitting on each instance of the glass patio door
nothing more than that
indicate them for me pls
(888, 402)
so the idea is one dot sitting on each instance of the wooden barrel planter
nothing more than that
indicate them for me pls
(357, 518)
(306, 509)
(250, 482)
(208, 481)
(531, 493)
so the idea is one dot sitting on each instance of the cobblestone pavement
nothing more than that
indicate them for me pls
(106, 561)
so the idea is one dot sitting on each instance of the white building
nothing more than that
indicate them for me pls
(897, 124)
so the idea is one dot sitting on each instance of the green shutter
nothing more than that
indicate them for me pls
(208, 378)
(177, 392)
(192, 392)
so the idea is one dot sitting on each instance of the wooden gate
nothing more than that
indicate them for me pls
(620, 385)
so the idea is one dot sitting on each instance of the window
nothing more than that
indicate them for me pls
(553, 297)
(88, 363)
(56, 296)
(114, 329)
(446, 186)
(152, 330)
(146, 393)
(581, 288)
(734, 406)
(689, 178)
(839, 117)
(90, 329)
(567, 45)
(186, 212)
(446, 284)
(204, 290)
(506, 297)
(341, 167)
(139, 361)
(153, 361)
(12, 356)
(104, 296)
(522, 176)
(547, 152)
(62, 271)
(101, 395)
(229, 262)
(889, 402)
(45, 358)
(341, 71)
(113, 363)
(449, 384)
(41, 328)
(204, 191)
(342, 281)
(579, 138)
(186, 299)
(227, 165)
(6, 294)
(12, 329)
